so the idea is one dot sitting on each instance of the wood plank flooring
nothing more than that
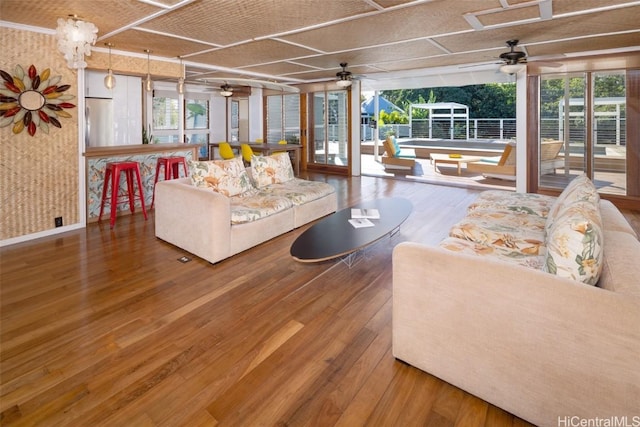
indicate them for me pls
(106, 327)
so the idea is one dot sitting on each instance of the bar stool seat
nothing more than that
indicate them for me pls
(171, 170)
(112, 179)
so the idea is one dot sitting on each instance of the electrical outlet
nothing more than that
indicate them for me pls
(58, 221)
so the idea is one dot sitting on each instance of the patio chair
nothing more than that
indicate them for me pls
(550, 158)
(501, 167)
(396, 158)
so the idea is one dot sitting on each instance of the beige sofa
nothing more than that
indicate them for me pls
(496, 324)
(215, 226)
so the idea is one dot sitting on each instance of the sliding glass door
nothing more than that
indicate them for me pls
(329, 130)
(587, 113)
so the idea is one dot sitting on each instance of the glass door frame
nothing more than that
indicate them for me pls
(311, 164)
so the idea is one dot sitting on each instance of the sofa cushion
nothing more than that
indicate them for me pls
(579, 189)
(574, 243)
(271, 169)
(526, 257)
(254, 205)
(515, 231)
(299, 191)
(227, 177)
(492, 200)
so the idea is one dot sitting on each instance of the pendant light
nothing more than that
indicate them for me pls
(109, 80)
(148, 83)
(180, 86)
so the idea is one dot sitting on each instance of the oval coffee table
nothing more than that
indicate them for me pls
(334, 237)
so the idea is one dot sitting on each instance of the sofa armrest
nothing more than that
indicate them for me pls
(537, 345)
(194, 219)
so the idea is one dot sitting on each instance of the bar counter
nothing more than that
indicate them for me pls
(146, 155)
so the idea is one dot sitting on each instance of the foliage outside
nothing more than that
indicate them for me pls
(492, 100)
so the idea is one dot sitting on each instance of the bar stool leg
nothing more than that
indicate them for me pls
(115, 184)
(130, 190)
(141, 190)
(105, 186)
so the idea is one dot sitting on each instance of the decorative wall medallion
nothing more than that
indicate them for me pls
(31, 100)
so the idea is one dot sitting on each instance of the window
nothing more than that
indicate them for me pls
(283, 118)
(166, 118)
(196, 121)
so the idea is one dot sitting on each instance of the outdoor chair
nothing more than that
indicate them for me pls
(396, 158)
(550, 158)
(502, 167)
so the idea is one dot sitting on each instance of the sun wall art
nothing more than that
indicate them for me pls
(33, 101)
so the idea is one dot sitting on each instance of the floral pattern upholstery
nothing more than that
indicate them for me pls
(574, 243)
(277, 190)
(299, 191)
(579, 189)
(227, 177)
(527, 257)
(272, 169)
(535, 204)
(502, 229)
(561, 236)
(255, 204)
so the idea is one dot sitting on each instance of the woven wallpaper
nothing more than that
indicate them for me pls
(38, 174)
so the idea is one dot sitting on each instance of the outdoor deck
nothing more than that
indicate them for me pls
(609, 177)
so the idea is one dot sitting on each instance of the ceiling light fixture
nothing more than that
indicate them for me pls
(148, 83)
(109, 80)
(75, 38)
(512, 68)
(344, 76)
(226, 91)
(180, 86)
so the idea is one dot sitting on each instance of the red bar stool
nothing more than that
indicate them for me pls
(112, 176)
(171, 170)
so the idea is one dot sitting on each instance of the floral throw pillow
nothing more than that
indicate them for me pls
(580, 188)
(227, 177)
(575, 245)
(271, 169)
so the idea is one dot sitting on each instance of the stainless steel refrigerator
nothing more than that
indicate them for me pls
(99, 126)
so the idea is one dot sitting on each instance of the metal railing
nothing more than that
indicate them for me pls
(607, 130)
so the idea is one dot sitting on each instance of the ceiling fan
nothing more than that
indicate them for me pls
(243, 86)
(344, 76)
(227, 90)
(514, 60)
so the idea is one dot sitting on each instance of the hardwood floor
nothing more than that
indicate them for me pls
(106, 327)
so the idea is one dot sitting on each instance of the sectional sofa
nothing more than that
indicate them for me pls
(532, 303)
(224, 208)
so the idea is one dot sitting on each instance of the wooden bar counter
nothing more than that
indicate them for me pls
(146, 155)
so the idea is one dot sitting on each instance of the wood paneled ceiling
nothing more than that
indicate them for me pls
(304, 41)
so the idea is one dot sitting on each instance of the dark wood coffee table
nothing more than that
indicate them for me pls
(334, 237)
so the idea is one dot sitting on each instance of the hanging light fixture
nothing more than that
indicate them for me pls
(344, 76)
(109, 80)
(512, 68)
(180, 87)
(75, 38)
(226, 90)
(514, 60)
(148, 83)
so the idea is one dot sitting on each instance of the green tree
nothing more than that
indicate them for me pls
(490, 100)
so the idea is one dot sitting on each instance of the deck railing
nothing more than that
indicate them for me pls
(607, 130)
